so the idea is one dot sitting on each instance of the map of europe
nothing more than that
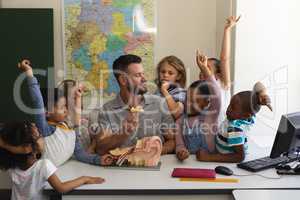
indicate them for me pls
(99, 31)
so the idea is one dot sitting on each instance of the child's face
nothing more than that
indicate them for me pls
(168, 73)
(195, 102)
(60, 111)
(235, 110)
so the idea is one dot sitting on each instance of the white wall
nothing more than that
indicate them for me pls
(184, 26)
(267, 43)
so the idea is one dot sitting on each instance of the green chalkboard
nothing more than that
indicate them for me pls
(24, 33)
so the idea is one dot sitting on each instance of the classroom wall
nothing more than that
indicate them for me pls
(184, 26)
(267, 44)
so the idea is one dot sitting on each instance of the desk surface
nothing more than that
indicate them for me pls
(160, 182)
(266, 194)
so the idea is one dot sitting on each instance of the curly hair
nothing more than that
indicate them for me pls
(15, 134)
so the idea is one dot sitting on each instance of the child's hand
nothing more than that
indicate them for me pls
(165, 86)
(202, 62)
(93, 180)
(231, 22)
(77, 94)
(202, 155)
(107, 160)
(182, 154)
(79, 90)
(25, 66)
(265, 100)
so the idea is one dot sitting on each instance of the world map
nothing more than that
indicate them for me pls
(99, 31)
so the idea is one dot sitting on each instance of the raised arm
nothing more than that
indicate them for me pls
(226, 51)
(201, 61)
(37, 100)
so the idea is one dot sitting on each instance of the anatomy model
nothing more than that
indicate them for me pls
(145, 153)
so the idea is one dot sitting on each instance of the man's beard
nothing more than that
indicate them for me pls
(136, 90)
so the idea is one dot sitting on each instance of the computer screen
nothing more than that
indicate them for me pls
(287, 139)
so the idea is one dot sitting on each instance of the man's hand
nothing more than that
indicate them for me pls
(130, 124)
(25, 66)
(231, 22)
(182, 154)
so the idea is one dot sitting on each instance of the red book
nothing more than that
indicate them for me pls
(193, 173)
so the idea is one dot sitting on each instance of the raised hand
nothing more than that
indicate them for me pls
(232, 21)
(265, 100)
(79, 90)
(25, 66)
(202, 60)
(263, 97)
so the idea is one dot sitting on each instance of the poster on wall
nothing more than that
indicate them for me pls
(96, 32)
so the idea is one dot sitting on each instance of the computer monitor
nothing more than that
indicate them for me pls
(287, 139)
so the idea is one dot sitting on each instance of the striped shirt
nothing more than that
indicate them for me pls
(233, 133)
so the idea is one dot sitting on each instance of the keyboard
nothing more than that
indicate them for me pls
(265, 163)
